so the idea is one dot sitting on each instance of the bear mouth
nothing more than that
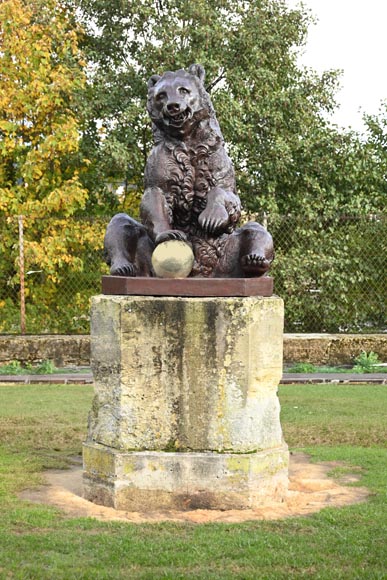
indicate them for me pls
(177, 120)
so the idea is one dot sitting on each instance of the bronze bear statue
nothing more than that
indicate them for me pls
(189, 192)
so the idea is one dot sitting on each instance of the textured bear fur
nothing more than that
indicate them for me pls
(189, 190)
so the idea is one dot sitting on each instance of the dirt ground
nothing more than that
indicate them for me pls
(310, 490)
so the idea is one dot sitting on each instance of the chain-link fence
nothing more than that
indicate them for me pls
(331, 273)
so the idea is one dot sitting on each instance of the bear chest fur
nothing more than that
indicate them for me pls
(190, 175)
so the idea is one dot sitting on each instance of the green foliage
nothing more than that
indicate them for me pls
(40, 72)
(57, 290)
(41, 77)
(273, 113)
(376, 144)
(330, 270)
(365, 362)
(290, 162)
(302, 367)
(264, 102)
(74, 127)
(46, 367)
(12, 368)
(363, 366)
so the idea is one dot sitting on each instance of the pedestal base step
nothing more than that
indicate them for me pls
(148, 481)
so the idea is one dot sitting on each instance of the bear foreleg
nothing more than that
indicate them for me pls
(156, 215)
(221, 213)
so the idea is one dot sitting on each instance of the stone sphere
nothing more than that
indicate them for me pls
(172, 259)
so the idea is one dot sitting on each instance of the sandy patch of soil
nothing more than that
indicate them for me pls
(310, 490)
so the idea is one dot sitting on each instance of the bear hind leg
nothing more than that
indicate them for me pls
(256, 250)
(127, 247)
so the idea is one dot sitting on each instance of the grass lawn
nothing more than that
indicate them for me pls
(43, 426)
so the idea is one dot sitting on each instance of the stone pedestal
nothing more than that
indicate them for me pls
(186, 413)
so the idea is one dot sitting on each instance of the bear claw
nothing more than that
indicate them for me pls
(170, 235)
(213, 218)
(255, 264)
(127, 269)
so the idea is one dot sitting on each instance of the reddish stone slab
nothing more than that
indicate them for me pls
(121, 285)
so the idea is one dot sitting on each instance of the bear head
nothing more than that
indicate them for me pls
(178, 101)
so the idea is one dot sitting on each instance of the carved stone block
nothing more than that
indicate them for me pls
(183, 387)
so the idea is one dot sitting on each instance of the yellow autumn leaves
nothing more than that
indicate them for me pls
(41, 73)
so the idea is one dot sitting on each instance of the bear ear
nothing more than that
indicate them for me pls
(153, 80)
(198, 71)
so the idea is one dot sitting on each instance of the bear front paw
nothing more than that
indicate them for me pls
(170, 235)
(214, 219)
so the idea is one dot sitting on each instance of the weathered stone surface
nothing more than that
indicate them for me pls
(186, 374)
(186, 413)
(145, 481)
(333, 349)
(62, 350)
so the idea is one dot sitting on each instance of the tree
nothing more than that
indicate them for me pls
(273, 114)
(289, 159)
(264, 102)
(41, 70)
(376, 148)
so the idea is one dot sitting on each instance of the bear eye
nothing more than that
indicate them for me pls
(161, 96)
(184, 91)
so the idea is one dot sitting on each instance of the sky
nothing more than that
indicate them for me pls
(350, 35)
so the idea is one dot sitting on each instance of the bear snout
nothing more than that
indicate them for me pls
(173, 108)
(176, 114)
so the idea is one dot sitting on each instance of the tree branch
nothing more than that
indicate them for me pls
(216, 81)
